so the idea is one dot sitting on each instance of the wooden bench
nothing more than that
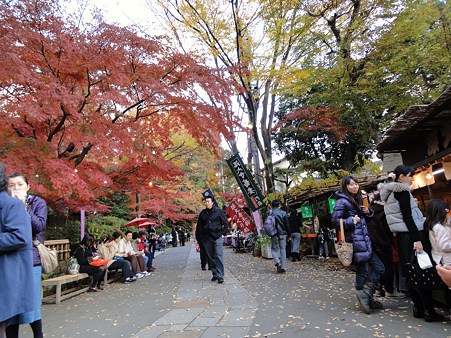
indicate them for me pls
(59, 282)
(62, 246)
(59, 296)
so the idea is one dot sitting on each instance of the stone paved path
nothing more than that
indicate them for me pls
(313, 299)
(205, 308)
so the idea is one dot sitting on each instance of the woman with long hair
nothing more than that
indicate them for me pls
(407, 222)
(349, 207)
(439, 231)
(85, 254)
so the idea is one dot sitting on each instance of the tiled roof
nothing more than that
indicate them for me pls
(417, 121)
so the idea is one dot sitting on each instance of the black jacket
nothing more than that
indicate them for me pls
(378, 229)
(212, 223)
(295, 221)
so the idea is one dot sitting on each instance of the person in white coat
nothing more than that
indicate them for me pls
(439, 231)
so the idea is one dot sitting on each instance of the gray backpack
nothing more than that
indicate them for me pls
(270, 225)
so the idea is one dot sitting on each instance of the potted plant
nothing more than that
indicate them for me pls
(265, 244)
(258, 247)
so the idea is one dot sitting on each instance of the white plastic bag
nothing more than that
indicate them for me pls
(423, 260)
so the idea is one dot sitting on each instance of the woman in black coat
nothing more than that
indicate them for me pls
(85, 254)
(383, 242)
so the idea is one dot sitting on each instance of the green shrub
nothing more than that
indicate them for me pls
(262, 240)
(69, 230)
(104, 226)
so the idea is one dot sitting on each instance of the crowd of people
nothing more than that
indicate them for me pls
(132, 253)
(23, 218)
(386, 238)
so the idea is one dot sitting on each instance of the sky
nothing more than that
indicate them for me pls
(126, 12)
(131, 12)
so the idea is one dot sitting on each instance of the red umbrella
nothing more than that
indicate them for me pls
(145, 224)
(137, 221)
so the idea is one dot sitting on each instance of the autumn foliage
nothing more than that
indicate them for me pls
(85, 110)
(310, 119)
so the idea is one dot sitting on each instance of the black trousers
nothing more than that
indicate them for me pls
(203, 255)
(124, 265)
(97, 273)
(422, 299)
(388, 278)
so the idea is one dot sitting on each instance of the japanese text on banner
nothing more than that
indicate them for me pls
(251, 192)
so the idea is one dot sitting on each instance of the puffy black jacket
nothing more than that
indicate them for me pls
(378, 229)
(295, 222)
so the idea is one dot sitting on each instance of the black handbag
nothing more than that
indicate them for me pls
(424, 279)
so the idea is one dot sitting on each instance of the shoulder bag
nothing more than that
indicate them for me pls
(73, 267)
(344, 250)
(49, 257)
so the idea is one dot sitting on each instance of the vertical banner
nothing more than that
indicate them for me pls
(239, 216)
(258, 222)
(82, 222)
(251, 192)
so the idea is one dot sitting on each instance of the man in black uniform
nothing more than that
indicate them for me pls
(211, 226)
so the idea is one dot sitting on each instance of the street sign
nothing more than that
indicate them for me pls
(239, 216)
(306, 211)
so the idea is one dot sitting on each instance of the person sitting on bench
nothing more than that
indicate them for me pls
(85, 254)
(107, 250)
(135, 258)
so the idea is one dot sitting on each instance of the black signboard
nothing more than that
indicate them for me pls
(251, 192)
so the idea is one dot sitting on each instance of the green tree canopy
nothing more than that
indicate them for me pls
(368, 61)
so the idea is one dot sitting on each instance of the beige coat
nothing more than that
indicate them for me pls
(107, 252)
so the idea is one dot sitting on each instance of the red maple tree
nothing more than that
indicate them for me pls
(312, 118)
(85, 110)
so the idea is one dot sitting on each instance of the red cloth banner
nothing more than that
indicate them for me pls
(239, 216)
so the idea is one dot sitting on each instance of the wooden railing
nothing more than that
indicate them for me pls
(62, 246)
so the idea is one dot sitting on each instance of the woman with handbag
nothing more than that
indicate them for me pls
(85, 254)
(18, 187)
(16, 257)
(407, 222)
(349, 208)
